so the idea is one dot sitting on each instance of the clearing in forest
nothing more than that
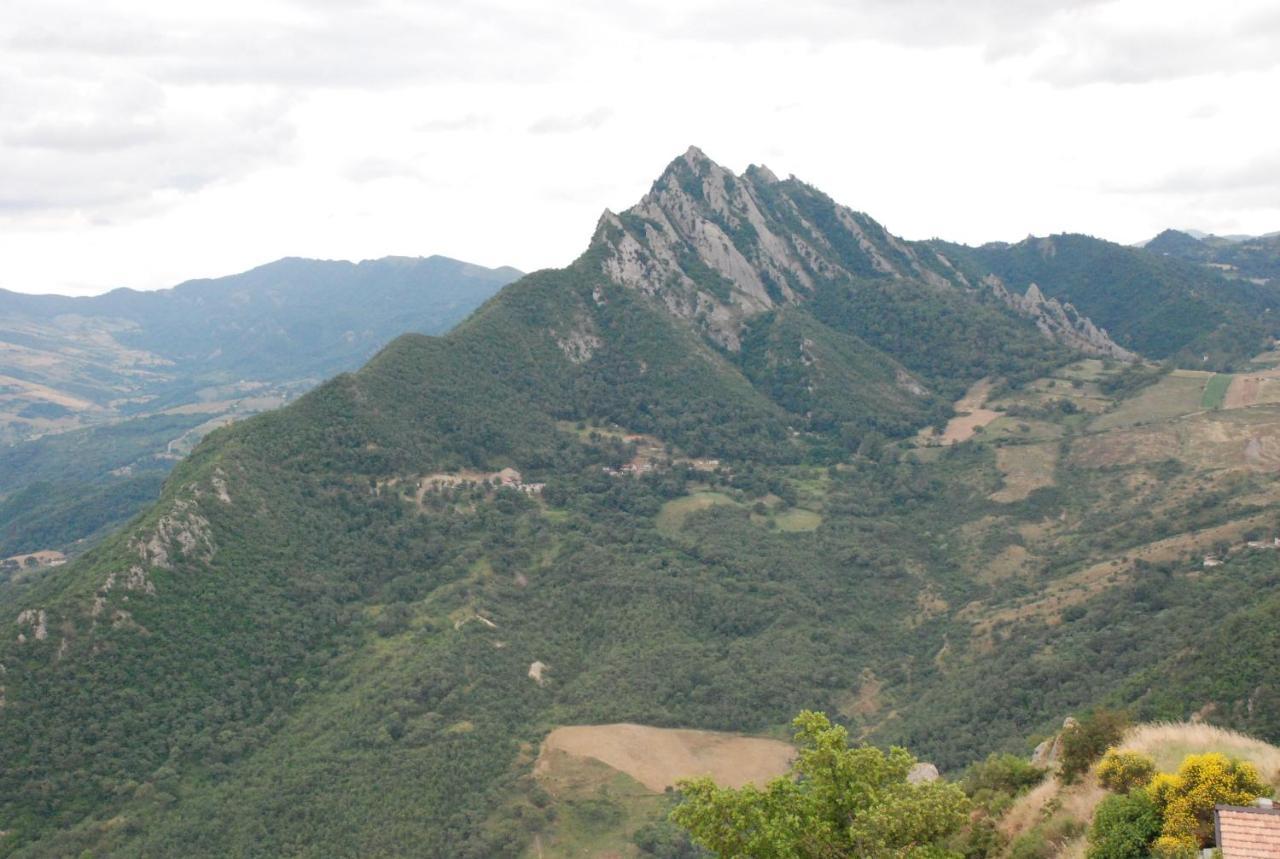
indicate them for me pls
(1179, 393)
(970, 416)
(1239, 438)
(797, 519)
(671, 517)
(659, 757)
(1025, 468)
(1252, 389)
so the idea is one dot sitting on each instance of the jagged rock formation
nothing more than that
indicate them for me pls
(717, 249)
(1060, 321)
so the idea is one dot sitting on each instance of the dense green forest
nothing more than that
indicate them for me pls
(322, 640)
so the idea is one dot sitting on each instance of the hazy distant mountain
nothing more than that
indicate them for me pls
(692, 479)
(132, 380)
(1252, 258)
(83, 360)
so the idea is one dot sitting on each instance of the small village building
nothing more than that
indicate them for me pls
(1248, 832)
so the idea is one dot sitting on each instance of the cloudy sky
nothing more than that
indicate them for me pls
(143, 143)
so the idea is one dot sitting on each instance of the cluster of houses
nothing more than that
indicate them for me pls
(46, 558)
(644, 465)
(511, 479)
(1273, 544)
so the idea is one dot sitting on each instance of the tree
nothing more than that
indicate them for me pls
(1084, 741)
(1186, 800)
(837, 802)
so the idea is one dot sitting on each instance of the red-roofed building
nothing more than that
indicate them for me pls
(1247, 832)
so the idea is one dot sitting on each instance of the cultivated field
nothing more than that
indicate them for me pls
(971, 415)
(659, 757)
(1179, 393)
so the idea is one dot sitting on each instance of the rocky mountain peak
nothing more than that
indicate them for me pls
(717, 248)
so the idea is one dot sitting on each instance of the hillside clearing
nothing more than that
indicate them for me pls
(1169, 742)
(1025, 468)
(659, 757)
(797, 519)
(672, 515)
(1179, 393)
(970, 416)
(1215, 390)
(1252, 389)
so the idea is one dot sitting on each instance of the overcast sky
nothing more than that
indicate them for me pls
(145, 143)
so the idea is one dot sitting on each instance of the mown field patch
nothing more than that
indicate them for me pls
(1215, 391)
(1178, 393)
(672, 515)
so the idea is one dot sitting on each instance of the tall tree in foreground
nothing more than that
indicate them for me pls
(836, 802)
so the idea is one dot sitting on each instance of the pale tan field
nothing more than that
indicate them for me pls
(1240, 438)
(659, 757)
(1252, 389)
(970, 415)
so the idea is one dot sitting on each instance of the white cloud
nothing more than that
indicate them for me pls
(565, 124)
(144, 142)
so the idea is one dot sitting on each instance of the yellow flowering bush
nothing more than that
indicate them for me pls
(1123, 771)
(1186, 800)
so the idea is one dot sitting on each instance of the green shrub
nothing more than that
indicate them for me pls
(1003, 773)
(994, 783)
(1124, 825)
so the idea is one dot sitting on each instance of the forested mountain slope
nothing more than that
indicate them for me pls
(689, 480)
(100, 396)
(1160, 307)
(1253, 258)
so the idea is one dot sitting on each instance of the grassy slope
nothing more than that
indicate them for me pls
(1059, 808)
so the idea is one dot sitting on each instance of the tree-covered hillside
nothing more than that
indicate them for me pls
(1161, 307)
(1252, 258)
(101, 395)
(644, 488)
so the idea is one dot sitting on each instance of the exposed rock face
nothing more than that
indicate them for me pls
(717, 249)
(536, 670)
(35, 620)
(183, 529)
(922, 773)
(1060, 321)
(1047, 753)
